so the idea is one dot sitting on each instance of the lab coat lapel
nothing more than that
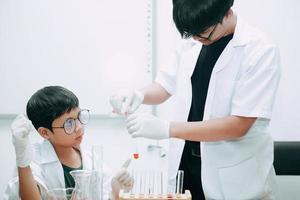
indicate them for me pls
(221, 63)
(190, 57)
(224, 61)
(184, 88)
(224, 58)
(48, 159)
(236, 41)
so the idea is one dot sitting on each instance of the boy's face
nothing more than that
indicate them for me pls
(217, 31)
(211, 35)
(59, 137)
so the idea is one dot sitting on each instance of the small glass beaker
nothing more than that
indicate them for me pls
(63, 194)
(82, 183)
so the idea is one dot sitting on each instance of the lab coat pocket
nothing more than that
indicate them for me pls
(242, 181)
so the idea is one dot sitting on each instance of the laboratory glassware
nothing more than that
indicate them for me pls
(82, 183)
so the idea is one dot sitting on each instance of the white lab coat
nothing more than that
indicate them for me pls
(243, 83)
(48, 172)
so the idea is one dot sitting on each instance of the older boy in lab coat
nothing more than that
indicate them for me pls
(225, 81)
(55, 113)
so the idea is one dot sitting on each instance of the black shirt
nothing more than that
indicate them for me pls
(190, 159)
(69, 180)
(200, 81)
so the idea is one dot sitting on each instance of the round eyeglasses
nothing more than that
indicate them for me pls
(70, 124)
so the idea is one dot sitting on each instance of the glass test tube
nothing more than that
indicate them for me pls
(179, 182)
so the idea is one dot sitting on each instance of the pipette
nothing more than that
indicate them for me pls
(135, 153)
(125, 113)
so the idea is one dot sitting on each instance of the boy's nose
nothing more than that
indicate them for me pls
(196, 38)
(79, 129)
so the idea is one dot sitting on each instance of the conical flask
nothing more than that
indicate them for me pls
(82, 183)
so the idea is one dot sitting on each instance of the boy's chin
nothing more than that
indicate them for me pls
(77, 142)
(76, 145)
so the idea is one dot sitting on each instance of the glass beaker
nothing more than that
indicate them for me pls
(63, 194)
(97, 173)
(82, 180)
(96, 186)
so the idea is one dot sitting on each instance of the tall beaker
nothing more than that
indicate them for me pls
(97, 173)
(82, 183)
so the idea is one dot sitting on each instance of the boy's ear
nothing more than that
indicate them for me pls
(44, 132)
(229, 13)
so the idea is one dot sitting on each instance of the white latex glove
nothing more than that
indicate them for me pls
(126, 102)
(20, 129)
(147, 126)
(122, 179)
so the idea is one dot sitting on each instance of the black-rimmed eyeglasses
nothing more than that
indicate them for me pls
(210, 35)
(70, 124)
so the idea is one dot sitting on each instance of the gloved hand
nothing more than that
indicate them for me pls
(147, 126)
(122, 179)
(20, 129)
(126, 102)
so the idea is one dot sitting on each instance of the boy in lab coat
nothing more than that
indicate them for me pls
(55, 113)
(224, 78)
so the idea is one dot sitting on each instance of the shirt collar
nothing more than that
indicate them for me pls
(47, 153)
(240, 34)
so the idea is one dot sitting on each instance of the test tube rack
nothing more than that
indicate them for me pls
(129, 196)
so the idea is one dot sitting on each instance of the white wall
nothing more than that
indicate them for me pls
(91, 47)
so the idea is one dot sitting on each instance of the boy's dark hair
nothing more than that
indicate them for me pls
(192, 17)
(49, 103)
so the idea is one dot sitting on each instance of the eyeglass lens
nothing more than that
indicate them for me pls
(70, 124)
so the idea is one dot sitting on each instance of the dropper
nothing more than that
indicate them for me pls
(135, 153)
